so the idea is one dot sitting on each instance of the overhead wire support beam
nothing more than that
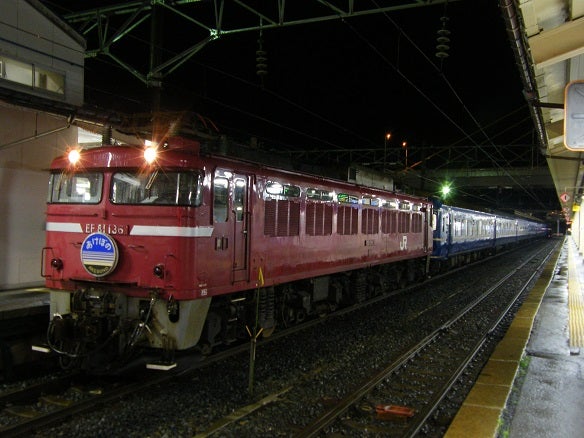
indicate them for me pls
(181, 58)
(336, 9)
(131, 69)
(260, 15)
(122, 30)
(194, 21)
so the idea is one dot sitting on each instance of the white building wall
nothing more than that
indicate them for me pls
(30, 33)
(30, 139)
(24, 161)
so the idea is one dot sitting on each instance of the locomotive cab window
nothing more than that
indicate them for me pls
(76, 188)
(157, 188)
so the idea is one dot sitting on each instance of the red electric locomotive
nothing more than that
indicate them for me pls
(166, 248)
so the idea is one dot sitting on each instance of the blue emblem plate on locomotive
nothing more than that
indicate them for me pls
(99, 254)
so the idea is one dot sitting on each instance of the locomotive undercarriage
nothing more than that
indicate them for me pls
(99, 330)
(285, 305)
(90, 328)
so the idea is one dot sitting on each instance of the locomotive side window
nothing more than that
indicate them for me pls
(275, 188)
(239, 199)
(344, 198)
(320, 195)
(370, 201)
(220, 194)
(77, 188)
(159, 188)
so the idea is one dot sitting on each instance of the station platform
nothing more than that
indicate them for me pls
(23, 314)
(19, 303)
(533, 384)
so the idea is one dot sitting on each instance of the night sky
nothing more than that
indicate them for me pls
(337, 84)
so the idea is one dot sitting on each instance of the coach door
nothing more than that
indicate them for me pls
(240, 218)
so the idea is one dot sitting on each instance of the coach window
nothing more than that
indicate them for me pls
(220, 193)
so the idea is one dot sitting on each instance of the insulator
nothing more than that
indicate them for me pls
(443, 41)
(261, 62)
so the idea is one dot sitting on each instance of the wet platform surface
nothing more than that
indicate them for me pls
(533, 385)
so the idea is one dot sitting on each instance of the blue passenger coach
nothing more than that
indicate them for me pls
(461, 235)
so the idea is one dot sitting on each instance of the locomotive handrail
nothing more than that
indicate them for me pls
(43, 251)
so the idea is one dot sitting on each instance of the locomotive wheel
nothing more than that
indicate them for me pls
(268, 332)
(205, 348)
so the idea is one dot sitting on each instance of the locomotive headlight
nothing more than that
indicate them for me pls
(57, 264)
(150, 154)
(74, 156)
(159, 271)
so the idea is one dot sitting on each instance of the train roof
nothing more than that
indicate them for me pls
(180, 152)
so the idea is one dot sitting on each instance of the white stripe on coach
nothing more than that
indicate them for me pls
(153, 230)
(139, 230)
(65, 227)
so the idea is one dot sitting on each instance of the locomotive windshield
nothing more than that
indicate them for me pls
(76, 188)
(158, 187)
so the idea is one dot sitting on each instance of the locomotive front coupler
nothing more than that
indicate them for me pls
(145, 309)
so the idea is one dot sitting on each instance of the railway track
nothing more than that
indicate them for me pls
(449, 354)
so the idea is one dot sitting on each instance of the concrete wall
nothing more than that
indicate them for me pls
(29, 139)
(25, 156)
